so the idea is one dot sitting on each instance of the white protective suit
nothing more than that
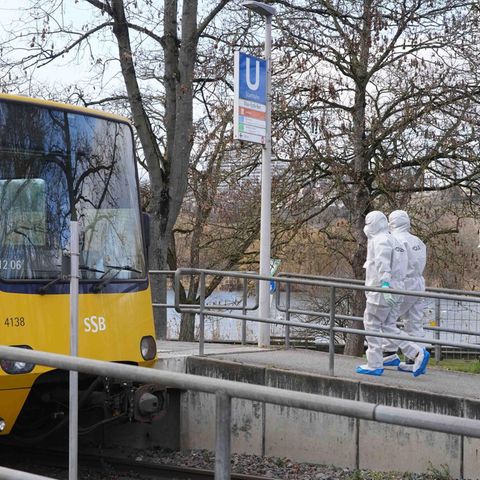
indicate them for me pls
(410, 308)
(386, 262)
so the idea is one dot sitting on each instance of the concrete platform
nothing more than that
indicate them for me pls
(300, 435)
(436, 380)
(172, 355)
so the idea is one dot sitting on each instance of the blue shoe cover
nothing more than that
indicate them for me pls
(423, 366)
(392, 362)
(400, 368)
(369, 371)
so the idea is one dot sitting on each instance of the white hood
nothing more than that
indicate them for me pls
(375, 222)
(399, 221)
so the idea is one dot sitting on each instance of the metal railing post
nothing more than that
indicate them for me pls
(287, 316)
(331, 345)
(73, 376)
(223, 415)
(201, 333)
(244, 310)
(438, 348)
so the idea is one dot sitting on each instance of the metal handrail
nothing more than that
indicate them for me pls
(334, 285)
(314, 313)
(10, 474)
(318, 283)
(225, 390)
(243, 307)
(340, 282)
(362, 282)
(436, 329)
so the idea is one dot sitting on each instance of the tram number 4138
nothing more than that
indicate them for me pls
(14, 322)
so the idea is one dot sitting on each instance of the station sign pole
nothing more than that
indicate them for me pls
(252, 122)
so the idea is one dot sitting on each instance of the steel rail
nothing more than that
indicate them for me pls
(332, 281)
(219, 307)
(11, 474)
(56, 458)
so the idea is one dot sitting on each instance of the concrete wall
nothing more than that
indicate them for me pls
(320, 438)
(310, 436)
(197, 414)
(390, 447)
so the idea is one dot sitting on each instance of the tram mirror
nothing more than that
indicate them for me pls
(23, 207)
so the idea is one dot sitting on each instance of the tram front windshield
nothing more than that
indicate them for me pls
(56, 166)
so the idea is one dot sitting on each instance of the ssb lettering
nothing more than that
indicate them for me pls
(94, 324)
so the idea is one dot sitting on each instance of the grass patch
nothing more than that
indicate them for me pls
(458, 365)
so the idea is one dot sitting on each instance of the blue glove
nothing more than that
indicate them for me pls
(389, 298)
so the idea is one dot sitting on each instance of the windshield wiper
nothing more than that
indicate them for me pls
(108, 278)
(123, 267)
(43, 289)
(63, 277)
(90, 269)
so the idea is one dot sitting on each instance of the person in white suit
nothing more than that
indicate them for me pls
(411, 308)
(386, 267)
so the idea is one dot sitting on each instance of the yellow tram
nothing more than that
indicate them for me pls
(57, 160)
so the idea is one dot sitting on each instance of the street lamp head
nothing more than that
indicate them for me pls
(260, 8)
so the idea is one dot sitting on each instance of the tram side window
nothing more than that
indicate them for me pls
(22, 227)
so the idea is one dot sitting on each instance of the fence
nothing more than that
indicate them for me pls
(448, 319)
(330, 327)
(244, 304)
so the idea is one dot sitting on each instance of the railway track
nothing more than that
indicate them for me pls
(14, 457)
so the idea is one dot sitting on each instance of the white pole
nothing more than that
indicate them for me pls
(73, 388)
(265, 215)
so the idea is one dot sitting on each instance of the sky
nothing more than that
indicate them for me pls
(62, 72)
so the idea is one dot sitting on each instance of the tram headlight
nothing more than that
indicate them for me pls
(13, 367)
(3, 424)
(148, 348)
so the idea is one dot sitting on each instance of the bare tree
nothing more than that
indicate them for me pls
(385, 103)
(165, 150)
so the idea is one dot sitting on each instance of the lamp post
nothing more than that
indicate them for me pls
(267, 11)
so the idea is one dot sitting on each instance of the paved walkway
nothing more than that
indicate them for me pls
(436, 380)
(172, 348)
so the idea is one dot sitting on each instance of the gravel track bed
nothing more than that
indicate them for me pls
(270, 467)
(279, 468)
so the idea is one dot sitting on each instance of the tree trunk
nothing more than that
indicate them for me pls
(155, 162)
(158, 282)
(187, 327)
(187, 321)
(361, 192)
